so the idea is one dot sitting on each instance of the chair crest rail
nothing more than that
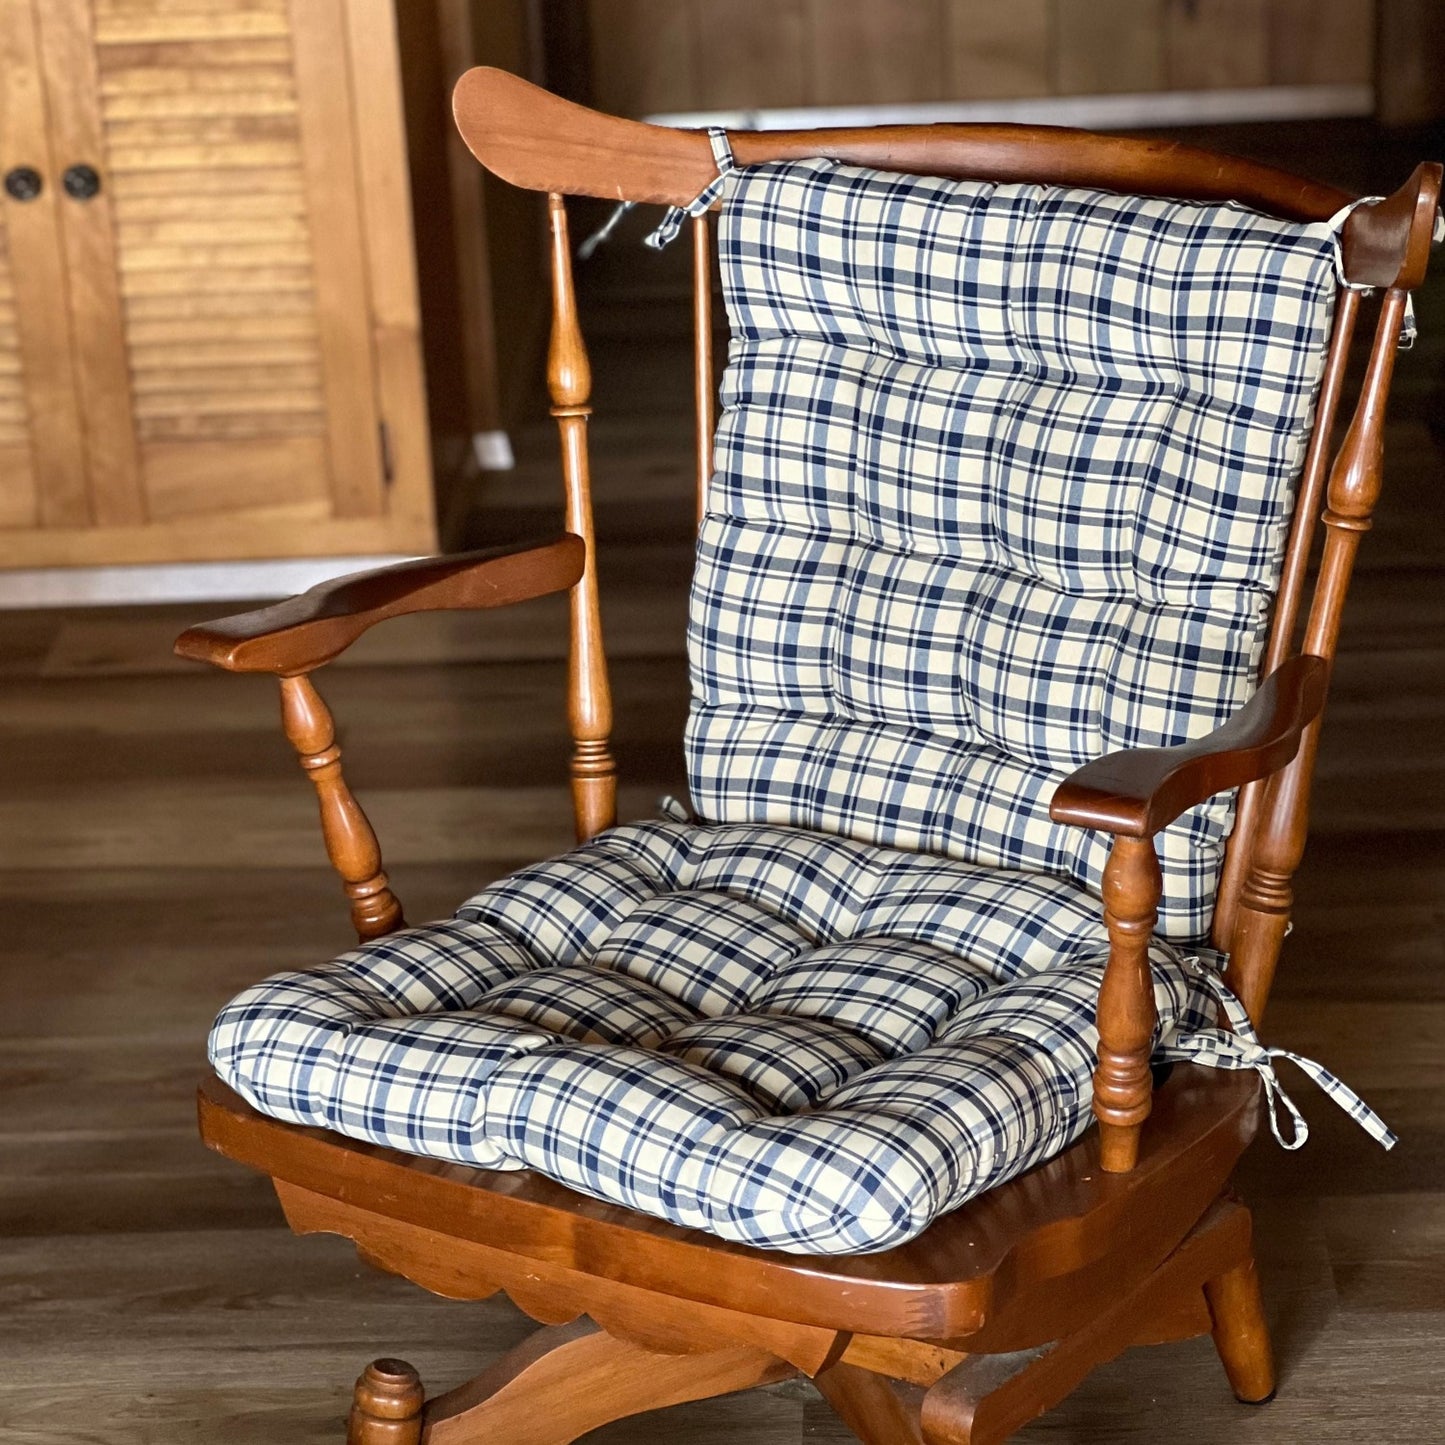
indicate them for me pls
(540, 142)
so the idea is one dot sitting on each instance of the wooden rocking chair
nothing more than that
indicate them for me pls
(1000, 1308)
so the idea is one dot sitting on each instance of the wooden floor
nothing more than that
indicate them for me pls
(157, 853)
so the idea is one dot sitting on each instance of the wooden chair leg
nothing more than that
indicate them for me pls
(987, 1398)
(877, 1410)
(565, 1380)
(1241, 1334)
(386, 1405)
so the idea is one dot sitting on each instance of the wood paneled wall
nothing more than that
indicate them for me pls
(508, 35)
(1412, 61)
(675, 55)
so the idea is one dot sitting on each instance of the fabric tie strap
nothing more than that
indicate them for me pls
(705, 199)
(674, 810)
(1220, 1049)
(604, 231)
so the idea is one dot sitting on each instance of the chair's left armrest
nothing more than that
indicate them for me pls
(1137, 792)
(304, 632)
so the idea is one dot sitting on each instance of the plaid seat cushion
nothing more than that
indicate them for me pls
(803, 1042)
(1003, 478)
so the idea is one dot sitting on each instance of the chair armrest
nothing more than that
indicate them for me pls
(303, 632)
(1141, 790)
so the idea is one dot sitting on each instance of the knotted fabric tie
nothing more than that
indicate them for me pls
(674, 810)
(705, 199)
(1220, 1049)
(604, 231)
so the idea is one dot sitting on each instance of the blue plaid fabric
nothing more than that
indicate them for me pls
(803, 1042)
(1002, 480)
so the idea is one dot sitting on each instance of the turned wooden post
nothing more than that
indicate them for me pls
(1123, 1086)
(386, 1406)
(1267, 895)
(1252, 804)
(350, 840)
(589, 695)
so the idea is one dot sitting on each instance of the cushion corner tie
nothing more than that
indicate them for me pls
(1239, 1048)
(671, 223)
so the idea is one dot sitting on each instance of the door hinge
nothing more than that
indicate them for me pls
(388, 464)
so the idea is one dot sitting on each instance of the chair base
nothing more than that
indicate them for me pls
(557, 1385)
(960, 1337)
(566, 1380)
(1023, 1265)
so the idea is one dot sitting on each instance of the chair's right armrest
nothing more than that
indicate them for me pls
(304, 632)
(1133, 794)
(1137, 792)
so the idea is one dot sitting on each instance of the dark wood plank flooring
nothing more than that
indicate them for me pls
(157, 852)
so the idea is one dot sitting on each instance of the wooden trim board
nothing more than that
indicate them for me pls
(178, 582)
(1091, 112)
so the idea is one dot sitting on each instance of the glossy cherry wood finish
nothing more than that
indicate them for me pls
(879, 1410)
(589, 692)
(551, 1293)
(386, 1405)
(541, 142)
(305, 632)
(1267, 896)
(1004, 1296)
(1289, 598)
(588, 1378)
(987, 1398)
(350, 839)
(962, 1279)
(1241, 1332)
(1123, 1085)
(1142, 790)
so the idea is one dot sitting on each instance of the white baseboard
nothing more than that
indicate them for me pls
(493, 451)
(1091, 112)
(175, 582)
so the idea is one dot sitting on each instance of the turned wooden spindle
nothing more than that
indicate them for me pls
(1250, 808)
(386, 1406)
(350, 840)
(589, 694)
(1123, 1085)
(1267, 895)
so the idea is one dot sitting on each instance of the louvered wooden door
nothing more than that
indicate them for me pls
(240, 290)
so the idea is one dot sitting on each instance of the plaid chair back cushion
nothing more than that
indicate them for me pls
(1003, 478)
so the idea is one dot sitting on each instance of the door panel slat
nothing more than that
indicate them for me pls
(77, 135)
(330, 166)
(44, 482)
